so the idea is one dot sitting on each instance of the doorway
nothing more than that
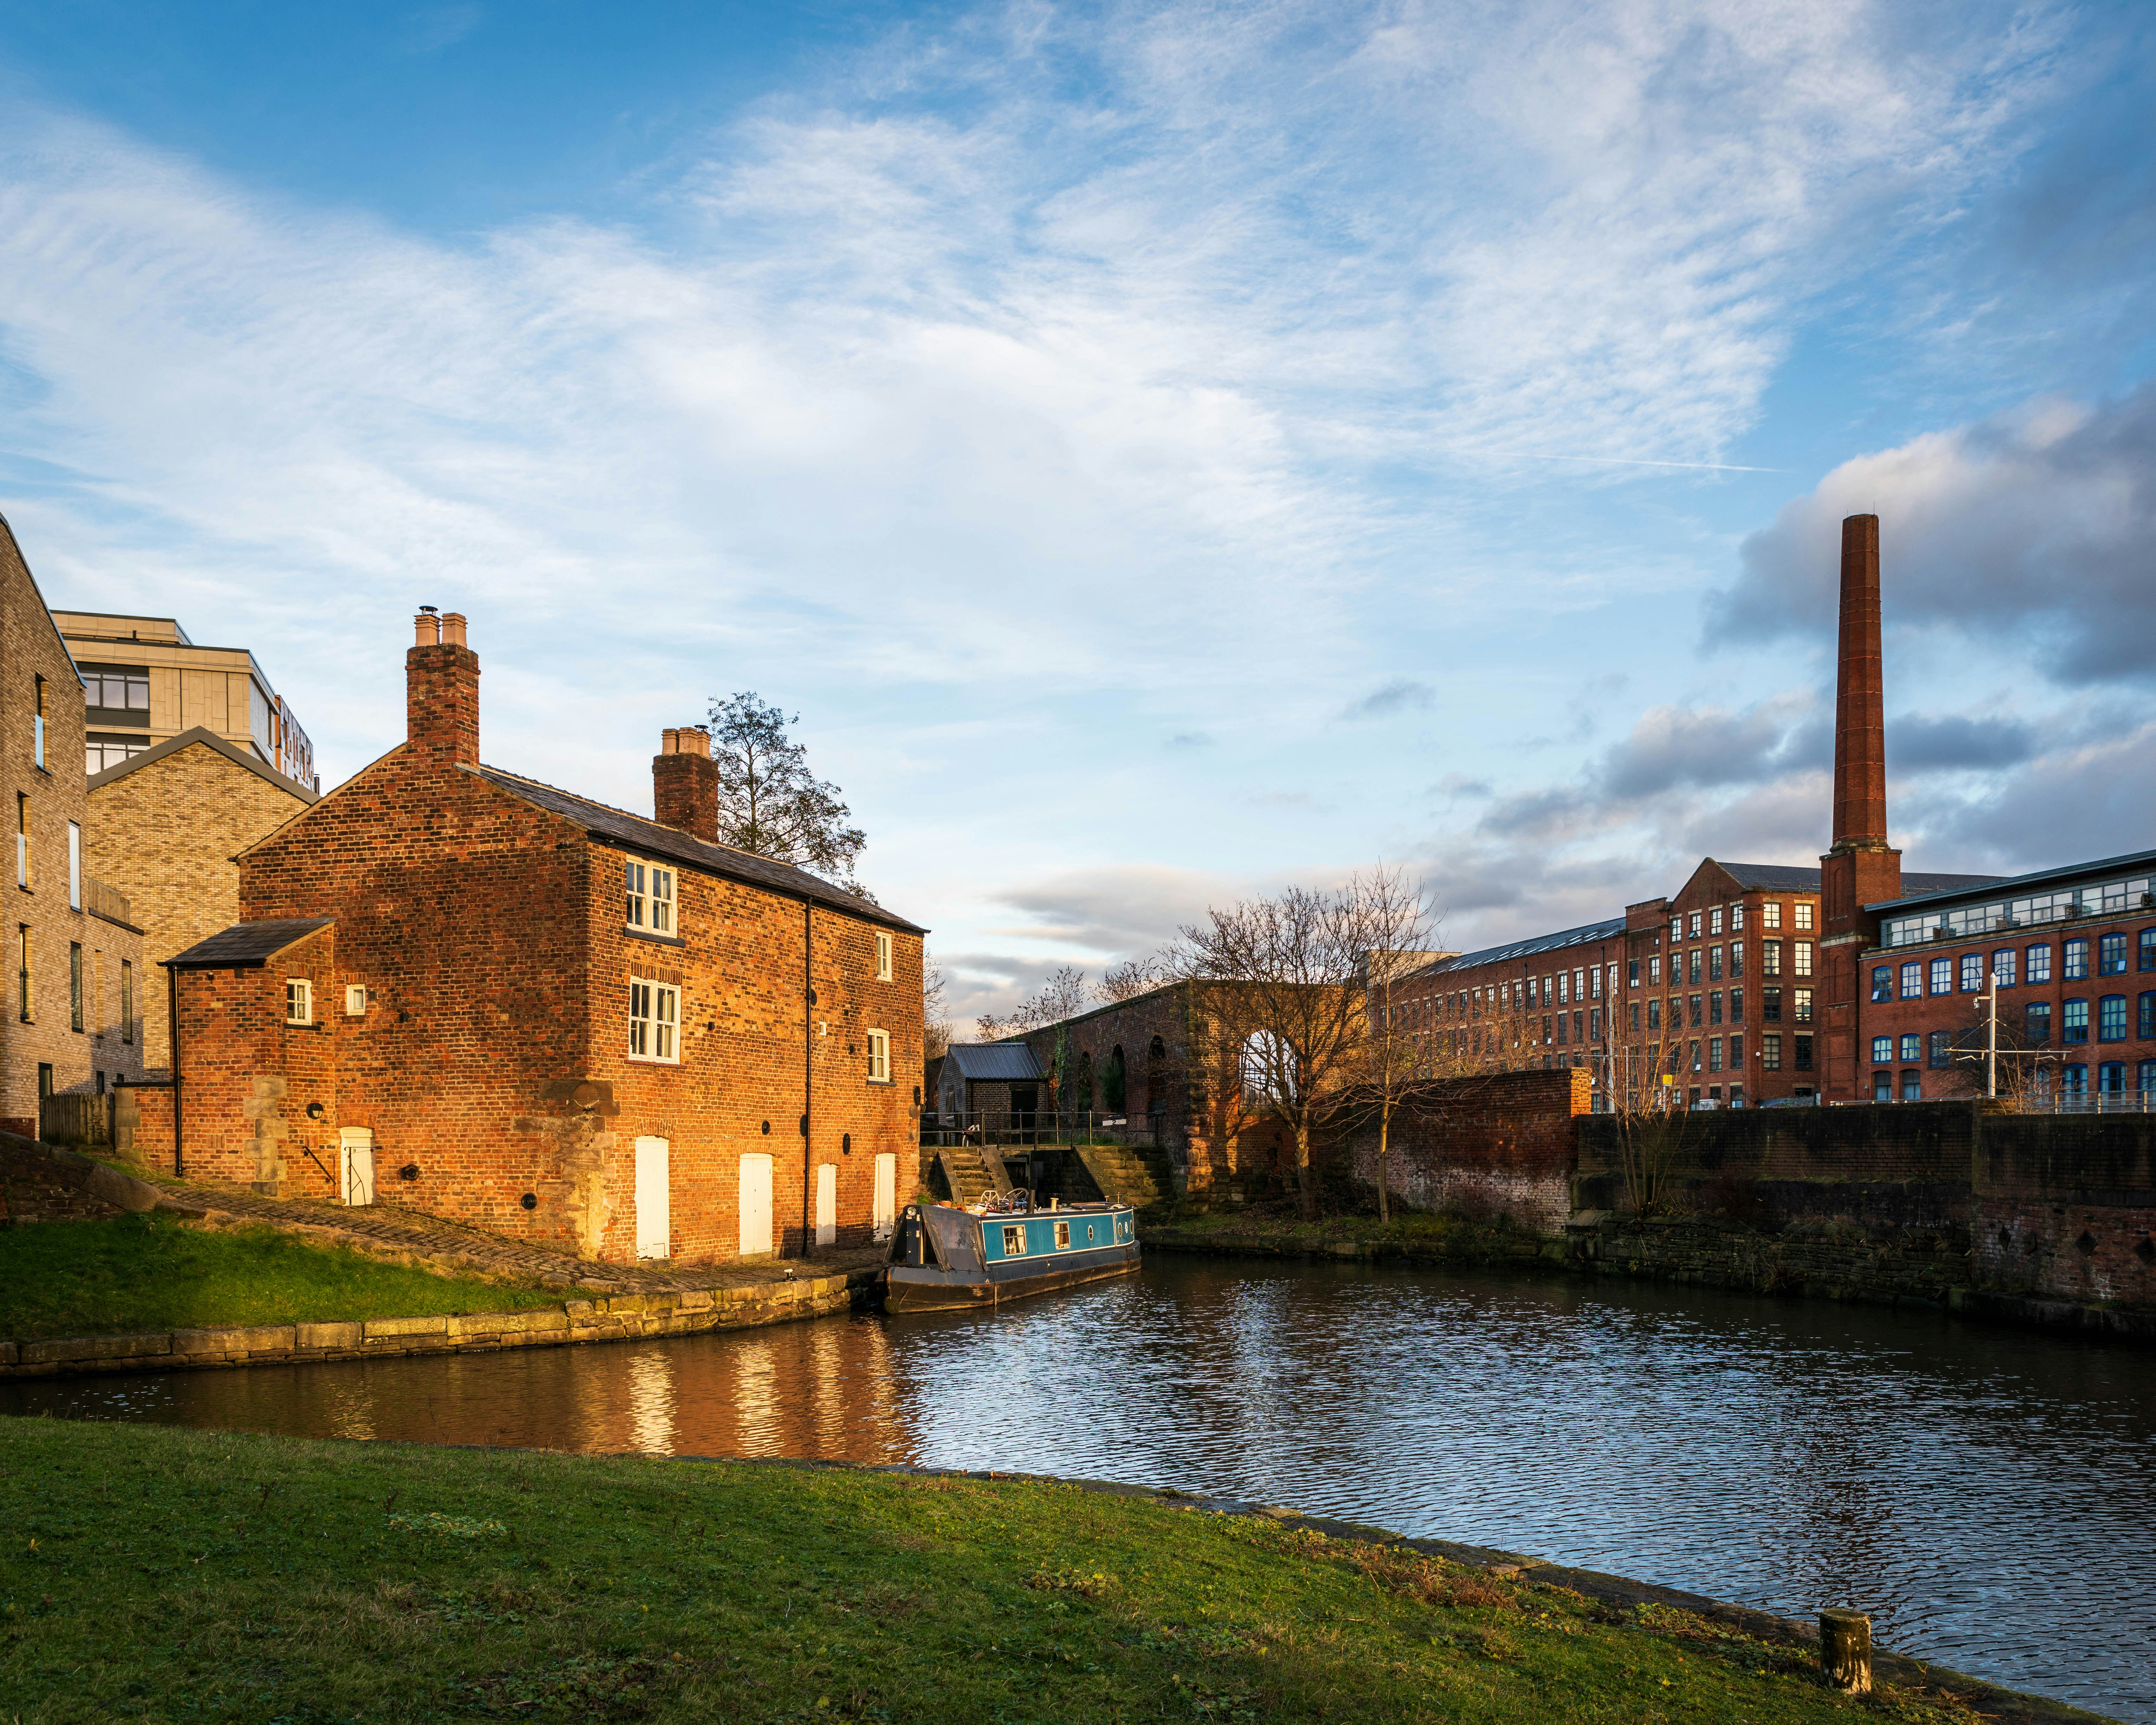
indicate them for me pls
(886, 1194)
(826, 1203)
(355, 1152)
(654, 1222)
(756, 1206)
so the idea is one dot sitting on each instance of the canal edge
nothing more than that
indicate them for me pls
(618, 1318)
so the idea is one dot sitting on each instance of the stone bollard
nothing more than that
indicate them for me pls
(1845, 1650)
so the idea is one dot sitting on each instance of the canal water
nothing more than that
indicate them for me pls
(1990, 1495)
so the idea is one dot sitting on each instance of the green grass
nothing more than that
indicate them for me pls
(148, 1272)
(163, 1574)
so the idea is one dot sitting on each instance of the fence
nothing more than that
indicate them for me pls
(941, 1131)
(75, 1119)
(109, 902)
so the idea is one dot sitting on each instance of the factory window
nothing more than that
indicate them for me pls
(1632, 973)
(1736, 916)
(1972, 972)
(2002, 968)
(2075, 967)
(2111, 954)
(1694, 925)
(1938, 1041)
(2036, 1019)
(2110, 1018)
(1714, 920)
(2073, 1022)
(1801, 959)
(1770, 958)
(1714, 964)
(1736, 958)
(1693, 1003)
(1695, 967)
(2040, 963)
(1654, 1014)
(1770, 1005)
(1770, 1053)
(1882, 982)
(1803, 913)
(1882, 1049)
(1943, 976)
(1803, 1061)
(1913, 980)
(1800, 1006)
(2147, 1025)
(1770, 915)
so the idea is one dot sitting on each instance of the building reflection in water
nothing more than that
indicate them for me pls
(1990, 1495)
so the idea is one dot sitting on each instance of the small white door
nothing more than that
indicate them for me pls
(826, 1203)
(654, 1214)
(755, 1205)
(886, 1194)
(357, 1145)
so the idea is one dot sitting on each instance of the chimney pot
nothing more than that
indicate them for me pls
(426, 627)
(684, 784)
(453, 628)
(441, 691)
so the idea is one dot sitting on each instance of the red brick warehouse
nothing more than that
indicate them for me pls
(463, 990)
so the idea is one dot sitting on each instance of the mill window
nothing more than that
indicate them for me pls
(2037, 1019)
(1770, 958)
(1800, 1006)
(879, 1057)
(655, 1020)
(2075, 967)
(1913, 980)
(1770, 914)
(1913, 1045)
(2040, 963)
(2002, 968)
(1803, 913)
(1714, 920)
(1770, 1052)
(2073, 1022)
(1943, 976)
(1714, 964)
(1939, 1048)
(2111, 954)
(1803, 1053)
(1800, 958)
(1882, 983)
(2110, 1019)
(299, 1001)
(1770, 1005)
(1972, 972)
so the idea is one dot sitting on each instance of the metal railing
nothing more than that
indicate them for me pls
(2091, 1101)
(977, 1127)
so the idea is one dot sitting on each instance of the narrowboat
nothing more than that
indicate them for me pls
(946, 1259)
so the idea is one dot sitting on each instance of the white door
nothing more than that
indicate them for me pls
(826, 1203)
(653, 1216)
(755, 1206)
(886, 1194)
(356, 1144)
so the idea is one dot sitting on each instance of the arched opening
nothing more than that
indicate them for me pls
(1112, 1087)
(1156, 1079)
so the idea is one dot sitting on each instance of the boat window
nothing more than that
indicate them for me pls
(1014, 1242)
(1062, 1236)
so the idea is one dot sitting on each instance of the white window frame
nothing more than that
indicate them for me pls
(879, 1046)
(299, 1001)
(1803, 913)
(355, 1000)
(1770, 914)
(654, 1021)
(882, 956)
(636, 899)
(648, 896)
(662, 900)
(74, 865)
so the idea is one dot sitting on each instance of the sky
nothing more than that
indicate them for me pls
(1162, 453)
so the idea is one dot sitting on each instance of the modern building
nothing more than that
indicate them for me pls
(74, 991)
(145, 682)
(461, 989)
(206, 800)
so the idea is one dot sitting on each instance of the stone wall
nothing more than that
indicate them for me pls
(1500, 1146)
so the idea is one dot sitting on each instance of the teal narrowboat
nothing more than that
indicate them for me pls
(945, 1259)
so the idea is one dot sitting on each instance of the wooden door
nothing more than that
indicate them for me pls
(826, 1203)
(756, 1206)
(356, 1148)
(654, 1221)
(886, 1194)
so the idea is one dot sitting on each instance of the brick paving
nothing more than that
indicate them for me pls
(392, 1230)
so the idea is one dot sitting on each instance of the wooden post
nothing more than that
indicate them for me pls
(1845, 1650)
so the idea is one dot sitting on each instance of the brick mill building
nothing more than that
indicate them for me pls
(461, 989)
(74, 961)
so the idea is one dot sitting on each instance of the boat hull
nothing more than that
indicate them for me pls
(929, 1289)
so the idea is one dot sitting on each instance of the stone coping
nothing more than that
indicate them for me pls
(620, 1317)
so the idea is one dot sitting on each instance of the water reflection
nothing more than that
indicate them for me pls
(1988, 1494)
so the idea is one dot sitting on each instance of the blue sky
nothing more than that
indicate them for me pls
(1161, 452)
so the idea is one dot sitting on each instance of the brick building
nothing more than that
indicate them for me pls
(74, 958)
(2069, 954)
(205, 800)
(145, 682)
(462, 989)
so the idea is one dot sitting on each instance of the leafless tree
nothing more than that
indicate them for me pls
(1280, 977)
(1062, 996)
(936, 1022)
(1401, 920)
(1130, 978)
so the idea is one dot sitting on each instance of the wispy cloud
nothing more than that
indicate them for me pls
(1402, 694)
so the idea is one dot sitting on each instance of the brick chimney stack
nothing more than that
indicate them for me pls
(441, 690)
(1861, 868)
(685, 783)
(1859, 721)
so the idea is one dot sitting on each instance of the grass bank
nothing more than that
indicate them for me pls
(146, 1272)
(161, 1574)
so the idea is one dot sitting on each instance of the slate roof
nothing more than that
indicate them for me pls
(1608, 929)
(1772, 877)
(247, 946)
(1920, 887)
(635, 832)
(995, 1062)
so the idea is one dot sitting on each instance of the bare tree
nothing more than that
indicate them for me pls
(770, 804)
(1062, 996)
(1130, 978)
(1282, 977)
(935, 1021)
(1402, 922)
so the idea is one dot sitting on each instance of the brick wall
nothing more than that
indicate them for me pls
(53, 795)
(165, 830)
(1501, 1145)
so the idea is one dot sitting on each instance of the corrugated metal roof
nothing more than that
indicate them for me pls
(1609, 929)
(1937, 886)
(648, 836)
(995, 1062)
(248, 946)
